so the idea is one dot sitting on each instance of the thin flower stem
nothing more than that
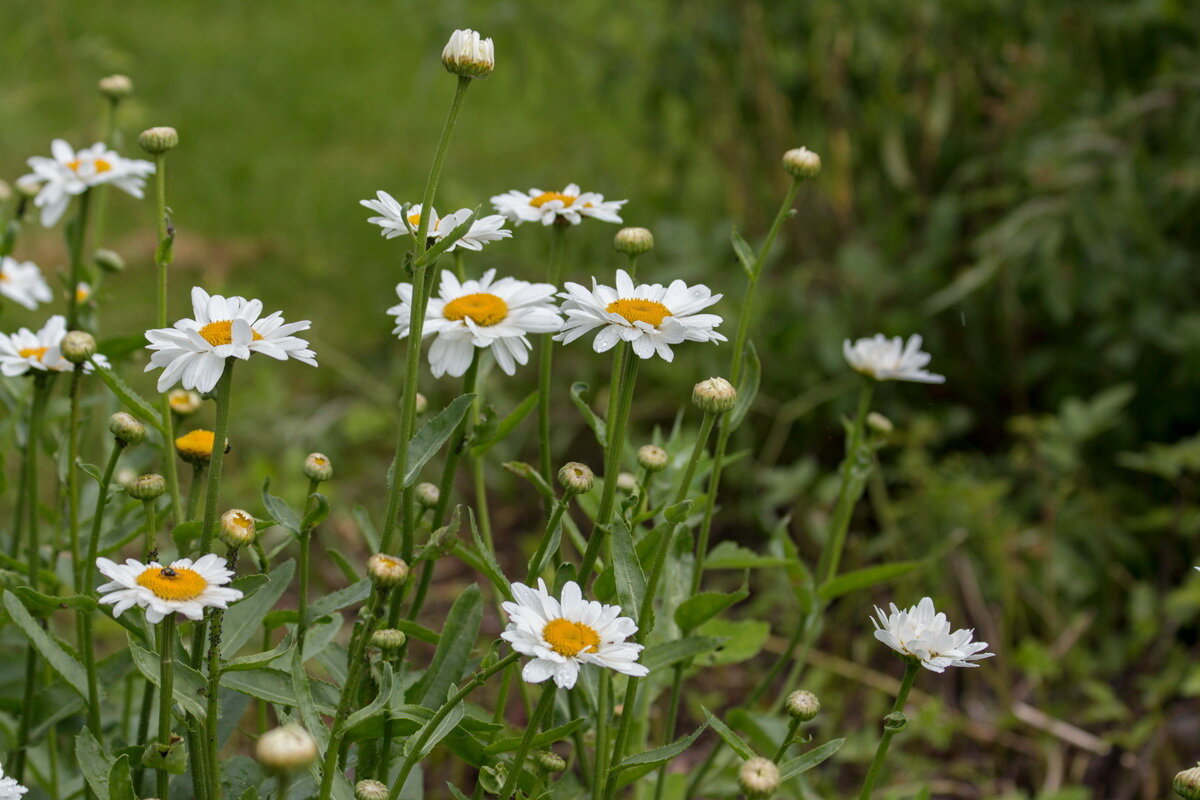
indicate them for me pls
(195, 490)
(73, 469)
(911, 668)
(220, 434)
(166, 646)
(538, 562)
(789, 737)
(151, 545)
(545, 704)
(603, 715)
(854, 475)
(76, 246)
(142, 732)
(162, 261)
(306, 536)
(457, 442)
(546, 357)
(283, 784)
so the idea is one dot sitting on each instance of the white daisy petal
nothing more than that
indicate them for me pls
(182, 587)
(924, 634)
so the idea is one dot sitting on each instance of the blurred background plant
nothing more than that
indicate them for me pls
(1018, 182)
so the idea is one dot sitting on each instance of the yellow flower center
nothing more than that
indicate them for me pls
(545, 197)
(196, 445)
(221, 332)
(173, 584)
(569, 638)
(242, 520)
(100, 164)
(82, 293)
(483, 309)
(414, 220)
(33, 352)
(647, 311)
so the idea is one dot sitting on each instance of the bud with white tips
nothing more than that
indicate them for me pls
(1187, 783)
(124, 477)
(115, 87)
(78, 346)
(879, 423)
(469, 55)
(652, 458)
(385, 570)
(627, 482)
(318, 467)
(576, 478)
(389, 640)
(550, 761)
(803, 705)
(147, 487)
(715, 395)
(127, 428)
(158, 140)
(758, 777)
(286, 749)
(184, 402)
(422, 404)
(238, 528)
(801, 163)
(370, 790)
(633, 241)
(428, 495)
(108, 260)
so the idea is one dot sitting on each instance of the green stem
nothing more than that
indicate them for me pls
(216, 463)
(76, 245)
(151, 545)
(911, 669)
(73, 470)
(545, 704)
(162, 260)
(306, 536)
(283, 785)
(538, 562)
(603, 715)
(166, 693)
(545, 358)
(855, 469)
(195, 490)
(788, 738)
(457, 442)
(212, 699)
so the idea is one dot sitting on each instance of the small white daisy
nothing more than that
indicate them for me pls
(887, 359)
(469, 54)
(9, 788)
(193, 352)
(487, 313)
(649, 316)
(563, 635)
(924, 634)
(570, 205)
(25, 350)
(22, 282)
(395, 222)
(70, 172)
(184, 586)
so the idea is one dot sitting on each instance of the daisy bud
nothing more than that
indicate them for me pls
(370, 790)
(126, 428)
(385, 570)
(158, 140)
(715, 395)
(29, 185)
(428, 495)
(147, 487)
(550, 761)
(576, 478)
(758, 777)
(652, 458)
(184, 402)
(115, 87)
(286, 749)
(1187, 783)
(627, 482)
(422, 404)
(801, 163)
(803, 705)
(389, 640)
(879, 423)
(633, 241)
(6, 192)
(197, 447)
(78, 346)
(238, 528)
(108, 260)
(318, 467)
(469, 55)
(125, 477)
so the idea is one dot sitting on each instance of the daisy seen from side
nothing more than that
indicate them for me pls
(567, 207)
(395, 220)
(924, 634)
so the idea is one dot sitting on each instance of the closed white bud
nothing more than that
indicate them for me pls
(803, 705)
(576, 478)
(115, 87)
(801, 163)
(238, 528)
(422, 403)
(715, 395)
(78, 346)
(184, 402)
(758, 777)
(147, 487)
(385, 570)
(126, 428)
(286, 749)
(318, 467)
(652, 458)
(158, 140)
(627, 482)
(879, 423)
(370, 790)
(633, 241)
(428, 495)
(469, 55)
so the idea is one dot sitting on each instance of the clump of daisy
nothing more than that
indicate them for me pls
(892, 359)
(27, 351)
(193, 352)
(70, 172)
(22, 282)
(182, 587)
(395, 220)
(561, 636)
(923, 634)
(651, 317)
(497, 315)
(567, 207)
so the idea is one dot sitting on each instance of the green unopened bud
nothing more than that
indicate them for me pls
(170, 756)
(469, 55)
(370, 790)
(428, 495)
(115, 87)
(803, 705)
(286, 749)
(78, 346)
(633, 241)
(318, 467)
(158, 140)
(550, 761)
(715, 395)
(1187, 783)
(652, 458)
(801, 163)
(108, 260)
(758, 777)
(385, 570)
(238, 528)
(147, 487)
(389, 640)
(126, 428)
(576, 478)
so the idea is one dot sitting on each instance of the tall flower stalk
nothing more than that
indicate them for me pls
(546, 355)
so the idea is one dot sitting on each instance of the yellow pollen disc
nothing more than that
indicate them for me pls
(545, 197)
(221, 332)
(173, 584)
(242, 520)
(33, 352)
(646, 311)
(570, 638)
(102, 165)
(73, 165)
(197, 444)
(483, 309)
(414, 220)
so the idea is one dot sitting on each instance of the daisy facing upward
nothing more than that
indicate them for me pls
(183, 587)
(567, 207)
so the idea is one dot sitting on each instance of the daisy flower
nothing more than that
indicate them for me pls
(25, 350)
(193, 352)
(487, 313)
(9, 788)
(184, 586)
(561, 636)
(887, 359)
(395, 222)
(649, 316)
(22, 282)
(69, 172)
(924, 634)
(570, 205)
(469, 54)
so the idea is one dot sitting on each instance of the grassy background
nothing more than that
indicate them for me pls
(1019, 182)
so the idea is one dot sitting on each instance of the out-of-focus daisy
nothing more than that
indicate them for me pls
(395, 222)
(83, 292)
(183, 587)
(10, 789)
(561, 636)
(652, 317)
(193, 352)
(488, 313)
(887, 359)
(69, 172)
(26, 350)
(22, 282)
(923, 633)
(570, 205)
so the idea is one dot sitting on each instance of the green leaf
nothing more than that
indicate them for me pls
(275, 686)
(415, 631)
(327, 604)
(505, 426)
(433, 435)
(137, 405)
(592, 419)
(735, 742)
(55, 654)
(380, 702)
(454, 648)
(257, 660)
(666, 654)
(244, 620)
(748, 387)
(304, 701)
(865, 578)
(164, 253)
(728, 555)
(48, 603)
(95, 764)
(745, 254)
(530, 473)
(448, 723)
(660, 755)
(628, 576)
(189, 685)
(318, 513)
(120, 781)
(279, 510)
(700, 608)
(541, 741)
(185, 533)
(793, 767)
(743, 639)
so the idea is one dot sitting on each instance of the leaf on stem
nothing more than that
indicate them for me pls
(55, 654)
